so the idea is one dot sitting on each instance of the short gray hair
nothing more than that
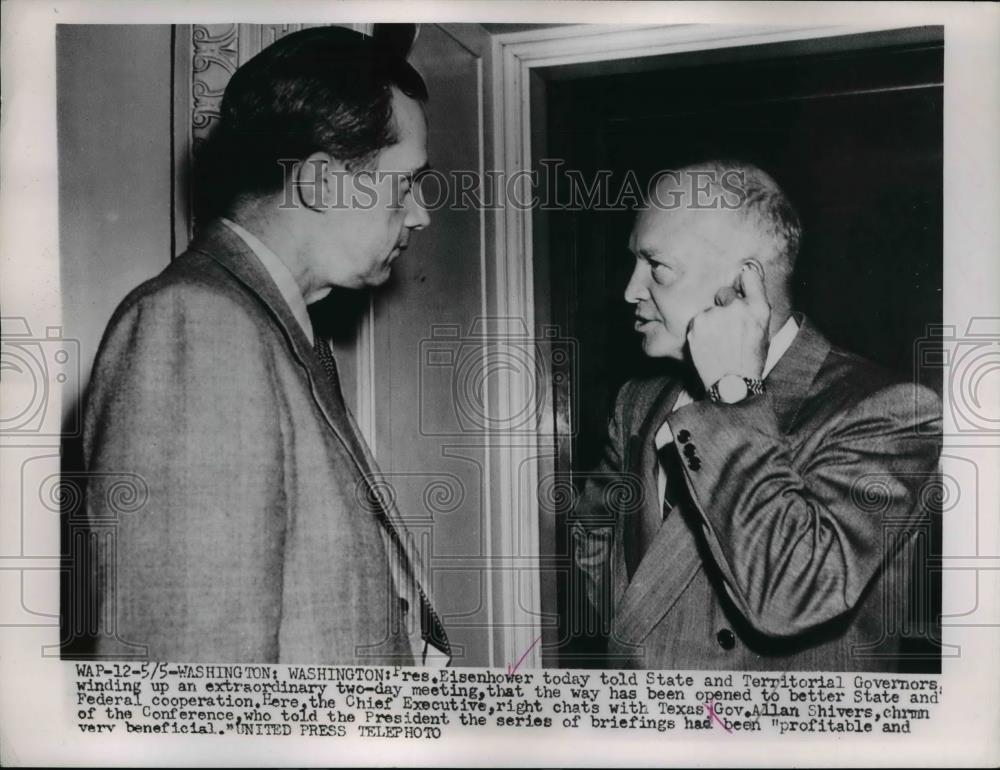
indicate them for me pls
(759, 198)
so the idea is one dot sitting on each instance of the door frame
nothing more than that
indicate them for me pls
(518, 62)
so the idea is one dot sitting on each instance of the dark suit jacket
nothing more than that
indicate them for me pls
(259, 539)
(791, 547)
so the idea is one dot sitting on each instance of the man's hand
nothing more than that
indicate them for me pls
(732, 337)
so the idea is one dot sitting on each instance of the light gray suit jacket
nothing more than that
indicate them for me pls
(261, 537)
(793, 545)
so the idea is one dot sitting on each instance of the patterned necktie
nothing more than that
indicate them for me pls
(431, 627)
(322, 349)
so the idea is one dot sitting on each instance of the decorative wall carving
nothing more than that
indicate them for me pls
(214, 59)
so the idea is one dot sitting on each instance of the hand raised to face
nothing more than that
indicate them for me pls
(732, 336)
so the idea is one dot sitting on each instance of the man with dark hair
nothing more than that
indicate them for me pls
(778, 478)
(264, 537)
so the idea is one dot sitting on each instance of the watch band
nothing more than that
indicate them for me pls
(755, 387)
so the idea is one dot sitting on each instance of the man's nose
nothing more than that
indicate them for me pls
(417, 217)
(636, 289)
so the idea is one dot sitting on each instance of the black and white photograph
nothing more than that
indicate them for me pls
(678, 272)
(470, 377)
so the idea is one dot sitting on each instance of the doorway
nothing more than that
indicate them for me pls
(851, 127)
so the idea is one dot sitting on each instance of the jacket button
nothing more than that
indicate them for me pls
(405, 605)
(683, 436)
(726, 639)
(694, 463)
(689, 450)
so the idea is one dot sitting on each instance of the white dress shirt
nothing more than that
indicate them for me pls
(780, 343)
(279, 273)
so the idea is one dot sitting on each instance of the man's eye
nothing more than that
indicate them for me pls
(661, 271)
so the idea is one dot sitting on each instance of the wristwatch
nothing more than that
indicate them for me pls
(732, 388)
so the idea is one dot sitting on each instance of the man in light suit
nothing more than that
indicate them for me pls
(778, 478)
(263, 536)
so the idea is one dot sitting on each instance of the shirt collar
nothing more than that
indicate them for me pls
(780, 343)
(279, 273)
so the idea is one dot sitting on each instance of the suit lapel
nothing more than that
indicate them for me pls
(643, 466)
(225, 247)
(673, 559)
(229, 250)
(791, 379)
(668, 566)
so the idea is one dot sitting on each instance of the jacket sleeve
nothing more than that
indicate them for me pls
(797, 544)
(607, 491)
(182, 401)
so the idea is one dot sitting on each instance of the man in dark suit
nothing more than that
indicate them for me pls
(263, 536)
(778, 478)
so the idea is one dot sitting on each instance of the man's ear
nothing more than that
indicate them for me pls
(320, 182)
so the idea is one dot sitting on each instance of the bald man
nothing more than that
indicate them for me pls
(778, 478)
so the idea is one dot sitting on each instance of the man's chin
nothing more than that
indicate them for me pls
(379, 277)
(654, 346)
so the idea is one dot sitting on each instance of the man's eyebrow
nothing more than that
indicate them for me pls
(648, 253)
(420, 171)
(409, 176)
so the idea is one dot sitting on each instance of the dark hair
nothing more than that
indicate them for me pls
(322, 89)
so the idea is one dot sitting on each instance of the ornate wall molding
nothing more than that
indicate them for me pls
(215, 55)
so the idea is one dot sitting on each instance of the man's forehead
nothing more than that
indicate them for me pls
(653, 223)
(403, 158)
(409, 154)
(708, 230)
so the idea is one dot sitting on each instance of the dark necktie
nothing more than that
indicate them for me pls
(670, 461)
(322, 349)
(431, 627)
(648, 523)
